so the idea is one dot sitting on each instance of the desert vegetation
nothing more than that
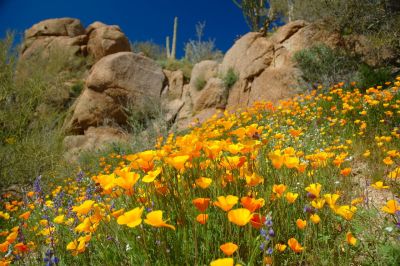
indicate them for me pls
(311, 179)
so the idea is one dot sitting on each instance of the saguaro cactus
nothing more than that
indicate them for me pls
(171, 53)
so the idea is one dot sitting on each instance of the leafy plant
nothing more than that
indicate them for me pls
(230, 78)
(323, 65)
(200, 83)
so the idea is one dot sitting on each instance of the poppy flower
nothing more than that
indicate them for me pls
(331, 199)
(279, 189)
(251, 203)
(222, 262)
(258, 220)
(345, 171)
(178, 162)
(280, 247)
(151, 175)
(301, 224)
(25, 215)
(314, 189)
(291, 162)
(318, 203)
(351, 239)
(315, 218)
(59, 219)
(392, 206)
(379, 185)
(240, 216)
(131, 218)
(203, 182)
(295, 245)
(229, 248)
(127, 180)
(291, 197)
(226, 203)
(154, 218)
(201, 203)
(254, 179)
(202, 218)
(84, 208)
(346, 211)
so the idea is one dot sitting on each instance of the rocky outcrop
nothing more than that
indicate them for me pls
(105, 40)
(54, 35)
(118, 81)
(67, 35)
(265, 65)
(171, 97)
(93, 139)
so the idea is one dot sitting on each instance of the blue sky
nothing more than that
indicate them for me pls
(140, 20)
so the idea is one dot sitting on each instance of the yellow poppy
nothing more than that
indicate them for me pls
(154, 218)
(131, 218)
(240, 216)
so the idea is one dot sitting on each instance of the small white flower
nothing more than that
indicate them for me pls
(389, 229)
(127, 248)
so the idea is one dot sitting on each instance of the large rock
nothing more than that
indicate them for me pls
(105, 40)
(213, 95)
(265, 65)
(185, 114)
(93, 139)
(249, 56)
(171, 97)
(56, 27)
(52, 37)
(274, 84)
(115, 82)
(175, 82)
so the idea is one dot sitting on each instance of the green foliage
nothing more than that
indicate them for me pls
(355, 17)
(77, 88)
(323, 65)
(173, 65)
(368, 76)
(150, 49)
(200, 83)
(230, 78)
(33, 102)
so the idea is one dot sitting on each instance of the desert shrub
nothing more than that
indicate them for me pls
(355, 17)
(230, 78)
(173, 65)
(200, 83)
(323, 65)
(30, 116)
(150, 49)
(77, 88)
(200, 50)
(368, 76)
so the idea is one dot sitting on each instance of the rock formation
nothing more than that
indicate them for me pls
(120, 80)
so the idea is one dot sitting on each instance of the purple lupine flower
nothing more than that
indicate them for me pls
(271, 232)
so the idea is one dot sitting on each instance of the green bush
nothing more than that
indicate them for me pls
(30, 115)
(230, 78)
(174, 65)
(368, 76)
(200, 83)
(150, 49)
(323, 65)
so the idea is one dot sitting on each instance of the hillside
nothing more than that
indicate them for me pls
(273, 184)
(282, 151)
